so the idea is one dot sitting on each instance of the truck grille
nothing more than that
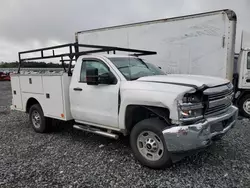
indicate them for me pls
(219, 99)
(220, 95)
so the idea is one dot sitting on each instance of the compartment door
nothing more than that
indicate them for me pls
(16, 93)
(53, 102)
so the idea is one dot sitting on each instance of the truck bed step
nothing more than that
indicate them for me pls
(96, 131)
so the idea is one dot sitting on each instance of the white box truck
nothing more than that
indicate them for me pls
(120, 94)
(201, 44)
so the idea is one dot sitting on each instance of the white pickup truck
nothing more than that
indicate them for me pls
(114, 95)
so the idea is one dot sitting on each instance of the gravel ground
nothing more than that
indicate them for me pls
(70, 158)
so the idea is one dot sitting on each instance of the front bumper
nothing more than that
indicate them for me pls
(200, 135)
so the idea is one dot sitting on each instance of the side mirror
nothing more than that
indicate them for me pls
(92, 76)
(106, 78)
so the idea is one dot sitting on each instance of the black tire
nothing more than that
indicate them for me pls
(43, 126)
(241, 106)
(156, 126)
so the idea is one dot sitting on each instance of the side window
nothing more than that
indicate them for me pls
(86, 64)
(248, 60)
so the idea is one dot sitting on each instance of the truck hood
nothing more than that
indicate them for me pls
(196, 81)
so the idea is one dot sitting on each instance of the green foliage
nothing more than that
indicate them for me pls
(31, 64)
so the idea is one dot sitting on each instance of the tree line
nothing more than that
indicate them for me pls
(31, 64)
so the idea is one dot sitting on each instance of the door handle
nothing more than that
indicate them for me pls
(247, 80)
(77, 89)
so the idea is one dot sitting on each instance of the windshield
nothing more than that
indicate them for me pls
(134, 68)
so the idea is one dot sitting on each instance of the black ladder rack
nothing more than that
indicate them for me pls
(73, 56)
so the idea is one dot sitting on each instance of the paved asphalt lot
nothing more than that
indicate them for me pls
(70, 158)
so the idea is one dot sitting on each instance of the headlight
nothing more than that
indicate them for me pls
(191, 108)
(192, 98)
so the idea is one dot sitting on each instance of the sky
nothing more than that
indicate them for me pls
(29, 24)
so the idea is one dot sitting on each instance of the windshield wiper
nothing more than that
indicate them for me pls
(123, 67)
(134, 78)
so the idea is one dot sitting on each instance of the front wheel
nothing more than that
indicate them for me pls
(244, 106)
(148, 144)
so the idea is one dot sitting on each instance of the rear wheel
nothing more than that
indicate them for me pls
(148, 144)
(38, 121)
(244, 106)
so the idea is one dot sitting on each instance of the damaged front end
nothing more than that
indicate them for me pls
(203, 115)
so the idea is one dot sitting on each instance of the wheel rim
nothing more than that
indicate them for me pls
(36, 119)
(150, 146)
(246, 106)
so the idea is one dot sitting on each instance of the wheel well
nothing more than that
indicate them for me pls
(30, 103)
(137, 113)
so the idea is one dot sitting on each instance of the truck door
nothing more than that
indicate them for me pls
(94, 104)
(244, 76)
